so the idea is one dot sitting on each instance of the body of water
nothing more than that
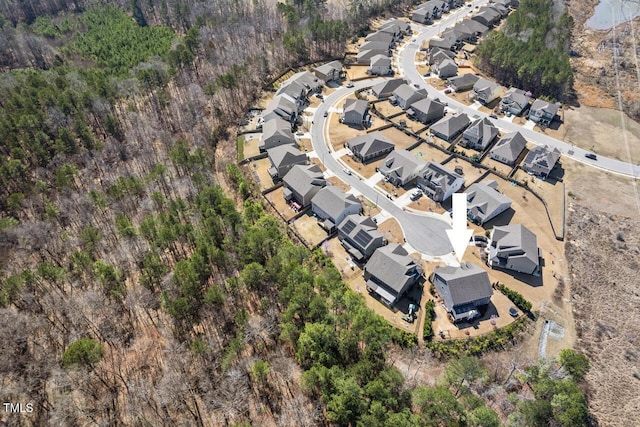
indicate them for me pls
(610, 13)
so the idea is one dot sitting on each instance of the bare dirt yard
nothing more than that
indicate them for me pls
(392, 231)
(338, 183)
(357, 72)
(399, 138)
(430, 154)
(309, 229)
(498, 166)
(392, 189)
(365, 170)
(260, 172)
(470, 173)
(276, 198)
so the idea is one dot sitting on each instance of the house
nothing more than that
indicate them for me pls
(438, 182)
(406, 95)
(479, 135)
(436, 52)
(426, 110)
(449, 40)
(421, 16)
(283, 158)
(515, 101)
(485, 91)
(401, 167)
(543, 112)
(508, 149)
(381, 36)
(329, 72)
(355, 112)
(485, 202)
(397, 27)
(463, 82)
(514, 247)
(487, 16)
(470, 30)
(300, 85)
(541, 161)
(283, 107)
(380, 66)
(381, 46)
(445, 68)
(275, 132)
(302, 183)
(385, 89)
(465, 290)
(370, 146)
(449, 127)
(390, 273)
(500, 8)
(332, 205)
(359, 235)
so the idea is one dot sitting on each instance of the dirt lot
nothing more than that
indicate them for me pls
(251, 141)
(309, 229)
(493, 164)
(400, 139)
(552, 192)
(391, 189)
(430, 154)
(339, 133)
(391, 231)
(276, 197)
(261, 169)
(425, 204)
(305, 144)
(357, 72)
(368, 207)
(462, 97)
(341, 259)
(411, 125)
(338, 183)
(469, 172)
(387, 109)
(318, 162)
(366, 170)
(592, 129)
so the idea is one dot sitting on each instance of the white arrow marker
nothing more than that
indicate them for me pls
(460, 235)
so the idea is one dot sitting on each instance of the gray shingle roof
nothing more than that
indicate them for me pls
(277, 127)
(464, 80)
(361, 230)
(393, 266)
(428, 106)
(484, 201)
(373, 142)
(510, 146)
(546, 106)
(333, 201)
(358, 106)
(542, 157)
(514, 245)
(516, 97)
(439, 175)
(401, 164)
(462, 285)
(387, 86)
(451, 125)
(330, 67)
(481, 130)
(380, 61)
(304, 179)
(285, 155)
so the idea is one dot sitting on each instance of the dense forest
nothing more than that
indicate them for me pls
(144, 282)
(531, 50)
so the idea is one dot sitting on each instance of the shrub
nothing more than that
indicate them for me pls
(429, 314)
(515, 298)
